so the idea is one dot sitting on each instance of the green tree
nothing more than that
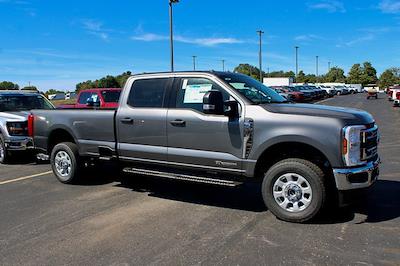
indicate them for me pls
(335, 74)
(108, 82)
(8, 85)
(85, 85)
(52, 91)
(355, 74)
(248, 70)
(280, 74)
(389, 77)
(301, 77)
(369, 74)
(121, 79)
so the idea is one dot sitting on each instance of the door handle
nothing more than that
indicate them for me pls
(178, 122)
(127, 120)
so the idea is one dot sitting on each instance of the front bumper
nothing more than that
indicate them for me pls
(19, 144)
(355, 178)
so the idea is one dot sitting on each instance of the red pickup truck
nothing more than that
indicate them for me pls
(100, 98)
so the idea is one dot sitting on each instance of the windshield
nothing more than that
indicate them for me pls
(111, 96)
(23, 103)
(253, 90)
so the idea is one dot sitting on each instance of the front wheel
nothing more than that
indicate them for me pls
(65, 162)
(4, 155)
(294, 190)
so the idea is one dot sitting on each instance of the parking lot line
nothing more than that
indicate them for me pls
(25, 177)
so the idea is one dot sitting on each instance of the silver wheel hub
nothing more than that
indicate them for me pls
(63, 164)
(292, 192)
(2, 152)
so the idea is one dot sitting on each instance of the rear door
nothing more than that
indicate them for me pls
(141, 121)
(199, 140)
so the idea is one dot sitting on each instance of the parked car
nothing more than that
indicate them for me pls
(15, 107)
(330, 90)
(100, 98)
(392, 94)
(291, 96)
(219, 128)
(341, 90)
(297, 96)
(307, 94)
(397, 100)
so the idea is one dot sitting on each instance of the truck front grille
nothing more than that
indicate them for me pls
(369, 142)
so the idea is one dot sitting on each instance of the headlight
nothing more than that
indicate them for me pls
(17, 128)
(351, 145)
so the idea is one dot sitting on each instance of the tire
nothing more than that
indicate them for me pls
(367, 97)
(301, 200)
(4, 154)
(65, 162)
(338, 93)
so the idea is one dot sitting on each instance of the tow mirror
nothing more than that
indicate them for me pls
(91, 103)
(213, 103)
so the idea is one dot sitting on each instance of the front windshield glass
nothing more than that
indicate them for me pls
(23, 103)
(250, 88)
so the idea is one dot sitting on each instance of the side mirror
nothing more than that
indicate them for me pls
(232, 109)
(91, 103)
(213, 103)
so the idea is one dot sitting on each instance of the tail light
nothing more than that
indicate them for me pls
(398, 96)
(31, 119)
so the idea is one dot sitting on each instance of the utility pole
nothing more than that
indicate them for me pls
(171, 37)
(329, 66)
(260, 32)
(316, 65)
(223, 64)
(194, 62)
(297, 60)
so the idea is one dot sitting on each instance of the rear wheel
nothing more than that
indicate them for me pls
(65, 162)
(294, 190)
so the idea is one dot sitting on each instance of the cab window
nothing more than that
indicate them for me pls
(191, 91)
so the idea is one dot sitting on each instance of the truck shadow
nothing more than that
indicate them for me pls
(380, 204)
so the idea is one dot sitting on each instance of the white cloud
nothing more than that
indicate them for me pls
(362, 39)
(330, 6)
(95, 28)
(307, 37)
(150, 37)
(390, 6)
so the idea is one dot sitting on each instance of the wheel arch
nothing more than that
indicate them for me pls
(58, 135)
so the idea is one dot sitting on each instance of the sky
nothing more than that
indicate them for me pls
(56, 44)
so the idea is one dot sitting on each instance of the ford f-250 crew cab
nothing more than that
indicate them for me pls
(219, 128)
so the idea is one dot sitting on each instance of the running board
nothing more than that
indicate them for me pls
(190, 178)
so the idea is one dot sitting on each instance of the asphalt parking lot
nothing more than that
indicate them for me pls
(150, 221)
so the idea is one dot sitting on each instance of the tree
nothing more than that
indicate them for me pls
(355, 74)
(107, 82)
(369, 74)
(248, 70)
(8, 85)
(280, 74)
(388, 78)
(301, 77)
(84, 85)
(335, 74)
(121, 79)
(53, 91)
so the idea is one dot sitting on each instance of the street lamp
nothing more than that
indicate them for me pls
(223, 64)
(316, 65)
(297, 60)
(260, 32)
(329, 66)
(194, 62)
(171, 2)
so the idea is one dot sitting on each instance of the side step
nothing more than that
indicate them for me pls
(190, 178)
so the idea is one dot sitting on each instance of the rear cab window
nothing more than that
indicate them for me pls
(148, 93)
(86, 96)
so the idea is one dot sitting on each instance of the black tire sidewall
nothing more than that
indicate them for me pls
(6, 155)
(72, 151)
(318, 191)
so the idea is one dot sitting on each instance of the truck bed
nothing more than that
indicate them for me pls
(90, 128)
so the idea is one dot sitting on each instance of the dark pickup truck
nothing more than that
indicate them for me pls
(219, 128)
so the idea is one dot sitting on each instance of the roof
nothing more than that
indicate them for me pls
(186, 72)
(18, 92)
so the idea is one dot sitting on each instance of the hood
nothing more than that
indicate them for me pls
(15, 115)
(348, 115)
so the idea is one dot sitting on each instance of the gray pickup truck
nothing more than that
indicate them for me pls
(15, 106)
(220, 128)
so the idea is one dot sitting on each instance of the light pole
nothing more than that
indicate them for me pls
(171, 38)
(329, 66)
(194, 62)
(316, 65)
(297, 60)
(223, 64)
(260, 32)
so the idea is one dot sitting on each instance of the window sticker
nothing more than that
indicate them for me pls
(195, 93)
